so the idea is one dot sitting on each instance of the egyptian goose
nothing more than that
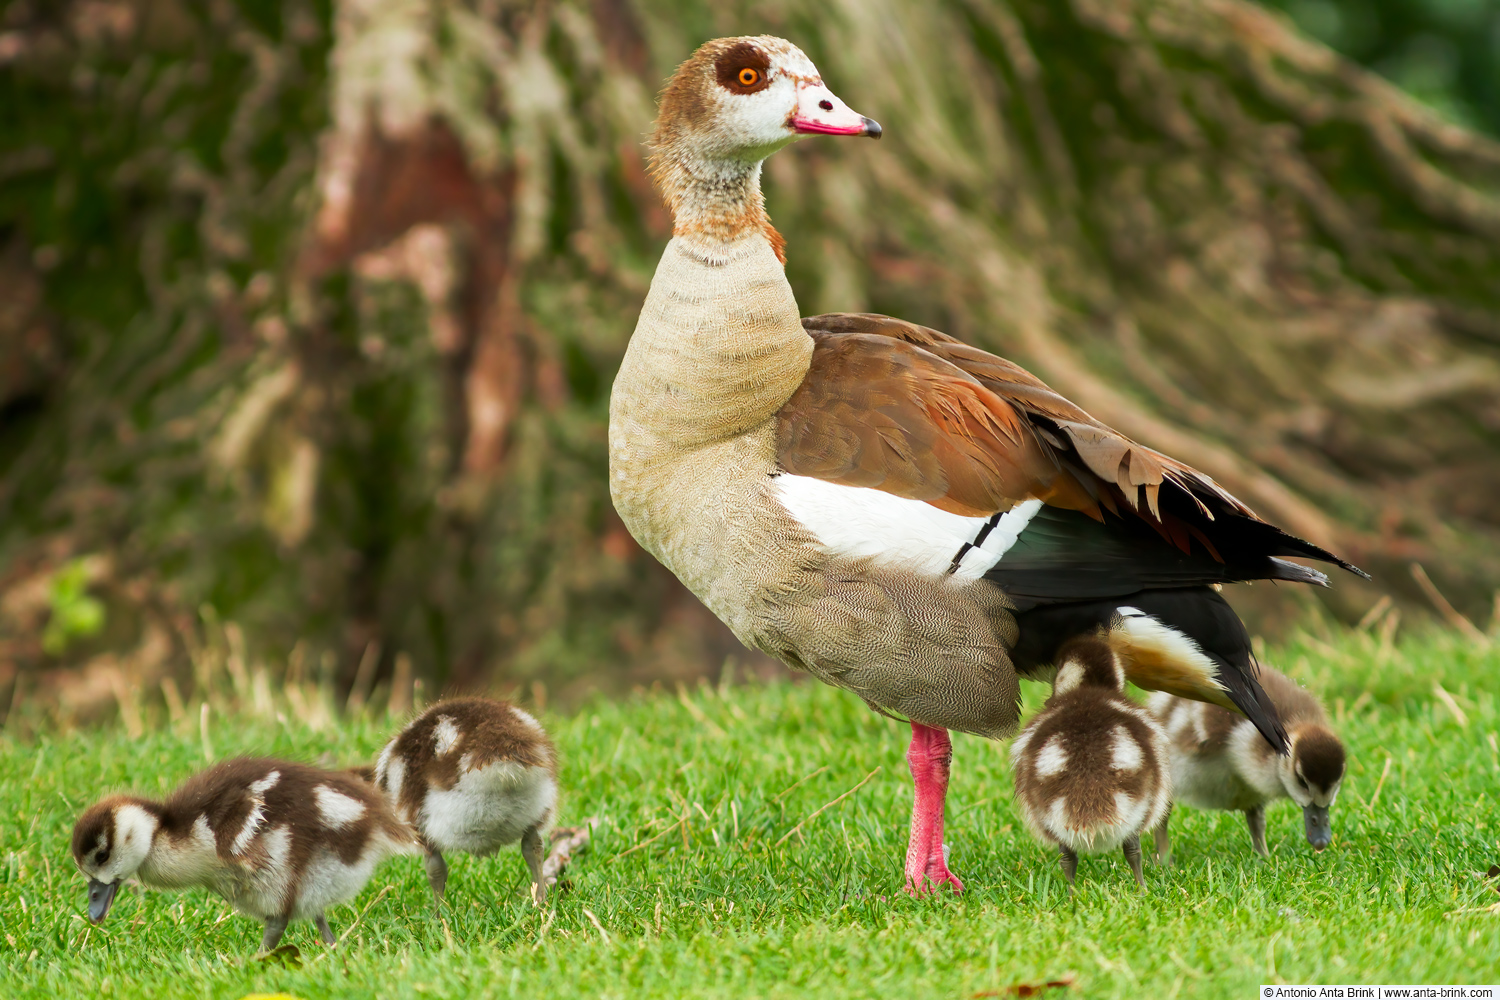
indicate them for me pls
(1219, 761)
(280, 841)
(471, 774)
(877, 503)
(1091, 769)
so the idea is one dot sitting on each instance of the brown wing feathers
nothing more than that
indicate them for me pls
(906, 409)
(880, 413)
(1132, 468)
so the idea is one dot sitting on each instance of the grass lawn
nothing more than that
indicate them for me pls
(736, 899)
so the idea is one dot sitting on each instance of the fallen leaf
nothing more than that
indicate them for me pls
(287, 955)
(1030, 989)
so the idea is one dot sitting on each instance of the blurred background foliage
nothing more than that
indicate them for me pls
(309, 309)
(1445, 52)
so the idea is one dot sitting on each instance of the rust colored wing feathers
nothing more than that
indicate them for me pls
(902, 408)
(882, 413)
(1137, 471)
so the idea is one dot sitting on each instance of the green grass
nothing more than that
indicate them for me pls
(716, 908)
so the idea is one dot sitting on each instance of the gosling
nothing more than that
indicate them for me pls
(1091, 768)
(472, 774)
(279, 841)
(1220, 761)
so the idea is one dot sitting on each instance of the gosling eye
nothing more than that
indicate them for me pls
(101, 857)
(1302, 782)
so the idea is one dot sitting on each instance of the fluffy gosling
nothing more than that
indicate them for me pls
(279, 841)
(472, 774)
(1091, 768)
(1219, 761)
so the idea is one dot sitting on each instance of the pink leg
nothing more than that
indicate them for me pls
(929, 756)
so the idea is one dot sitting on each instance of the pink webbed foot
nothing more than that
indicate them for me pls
(929, 757)
(927, 875)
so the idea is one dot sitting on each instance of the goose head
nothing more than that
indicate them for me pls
(734, 102)
(110, 843)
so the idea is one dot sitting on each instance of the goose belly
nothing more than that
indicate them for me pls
(488, 807)
(906, 636)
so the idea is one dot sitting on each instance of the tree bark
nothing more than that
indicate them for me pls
(337, 363)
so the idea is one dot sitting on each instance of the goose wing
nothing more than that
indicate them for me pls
(907, 445)
(913, 413)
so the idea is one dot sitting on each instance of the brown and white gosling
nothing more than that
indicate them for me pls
(1091, 768)
(472, 774)
(1219, 761)
(280, 841)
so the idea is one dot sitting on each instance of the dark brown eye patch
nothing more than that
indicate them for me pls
(743, 69)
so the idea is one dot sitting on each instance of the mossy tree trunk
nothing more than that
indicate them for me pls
(317, 308)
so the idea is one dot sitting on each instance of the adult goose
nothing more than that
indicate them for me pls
(879, 504)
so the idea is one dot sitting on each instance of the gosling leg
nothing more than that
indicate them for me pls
(1163, 840)
(1132, 848)
(1257, 819)
(437, 874)
(275, 927)
(324, 931)
(531, 850)
(1069, 865)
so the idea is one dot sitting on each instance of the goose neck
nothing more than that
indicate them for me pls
(716, 201)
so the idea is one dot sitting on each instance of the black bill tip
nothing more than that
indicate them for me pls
(1318, 825)
(872, 127)
(101, 895)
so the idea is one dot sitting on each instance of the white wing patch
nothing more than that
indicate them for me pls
(257, 816)
(862, 523)
(390, 772)
(527, 719)
(1126, 753)
(202, 834)
(1053, 759)
(444, 735)
(337, 809)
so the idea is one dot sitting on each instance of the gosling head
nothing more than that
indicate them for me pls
(1087, 662)
(1311, 775)
(110, 842)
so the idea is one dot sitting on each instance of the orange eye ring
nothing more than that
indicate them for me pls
(748, 77)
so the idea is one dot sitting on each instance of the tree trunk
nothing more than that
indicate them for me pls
(338, 304)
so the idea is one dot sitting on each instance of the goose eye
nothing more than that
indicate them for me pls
(101, 857)
(749, 77)
(1302, 782)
